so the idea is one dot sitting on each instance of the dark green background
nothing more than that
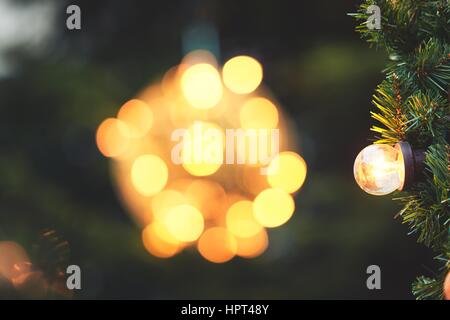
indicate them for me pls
(52, 176)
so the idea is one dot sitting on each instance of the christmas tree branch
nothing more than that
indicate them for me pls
(412, 104)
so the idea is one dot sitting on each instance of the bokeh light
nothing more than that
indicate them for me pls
(240, 220)
(273, 207)
(217, 245)
(11, 255)
(207, 196)
(170, 150)
(251, 247)
(202, 86)
(287, 171)
(113, 137)
(149, 174)
(258, 113)
(242, 74)
(138, 116)
(159, 242)
(185, 223)
(202, 152)
(166, 200)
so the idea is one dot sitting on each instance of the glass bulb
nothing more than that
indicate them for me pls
(379, 169)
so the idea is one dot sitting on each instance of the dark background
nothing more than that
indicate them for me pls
(52, 175)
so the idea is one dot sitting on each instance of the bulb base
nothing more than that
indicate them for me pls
(414, 164)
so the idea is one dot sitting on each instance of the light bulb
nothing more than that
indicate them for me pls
(379, 169)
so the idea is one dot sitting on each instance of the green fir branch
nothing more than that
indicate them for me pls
(412, 105)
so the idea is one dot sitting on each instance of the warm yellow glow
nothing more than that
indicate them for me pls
(241, 221)
(217, 245)
(287, 171)
(11, 256)
(258, 113)
(199, 56)
(253, 181)
(190, 157)
(113, 137)
(242, 74)
(138, 116)
(201, 86)
(185, 223)
(447, 286)
(164, 201)
(149, 174)
(159, 242)
(230, 199)
(202, 151)
(254, 246)
(273, 207)
(379, 169)
(207, 196)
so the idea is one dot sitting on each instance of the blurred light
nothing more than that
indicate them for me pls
(273, 207)
(202, 152)
(217, 245)
(242, 74)
(253, 246)
(447, 286)
(32, 285)
(240, 220)
(230, 199)
(149, 174)
(185, 223)
(253, 181)
(258, 113)
(207, 196)
(15, 33)
(379, 169)
(164, 201)
(113, 137)
(217, 212)
(138, 116)
(158, 241)
(12, 255)
(201, 86)
(287, 171)
(195, 57)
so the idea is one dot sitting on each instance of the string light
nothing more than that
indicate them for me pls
(242, 74)
(113, 137)
(241, 221)
(202, 86)
(221, 208)
(287, 171)
(138, 116)
(381, 169)
(185, 223)
(273, 207)
(217, 245)
(149, 174)
(258, 113)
